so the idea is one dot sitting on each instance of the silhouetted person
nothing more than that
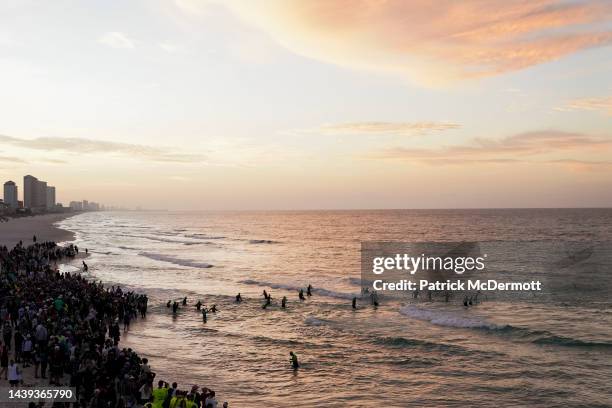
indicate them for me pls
(294, 360)
(309, 290)
(34, 238)
(301, 294)
(204, 312)
(374, 298)
(85, 267)
(214, 309)
(238, 298)
(199, 305)
(169, 304)
(465, 301)
(265, 294)
(354, 302)
(268, 301)
(185, 301)
(284, 302)
(175, 306)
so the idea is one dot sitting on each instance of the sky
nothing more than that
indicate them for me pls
(317, 104)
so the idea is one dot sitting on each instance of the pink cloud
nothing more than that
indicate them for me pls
(551, 147)
(433, 41)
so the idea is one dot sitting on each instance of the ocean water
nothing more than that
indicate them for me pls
(548, 349)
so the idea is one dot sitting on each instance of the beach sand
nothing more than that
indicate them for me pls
(25, 228)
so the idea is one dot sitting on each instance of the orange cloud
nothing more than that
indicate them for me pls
(386, 128)
(524, 147)
(430, 41)
(91, 146)
(603, 104)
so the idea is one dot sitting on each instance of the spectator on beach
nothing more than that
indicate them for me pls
(26, 351)
(14, 374)
(71, 325)
(4, 360)
(211, 401)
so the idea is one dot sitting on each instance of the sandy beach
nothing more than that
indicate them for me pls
(25, 228)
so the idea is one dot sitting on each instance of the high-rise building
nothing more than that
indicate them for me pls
(76, 205)
(41, 194)
(50, 197)
(30, 189)
(10, 194)
(34, 193)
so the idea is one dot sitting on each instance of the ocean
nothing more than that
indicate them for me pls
(552, 348)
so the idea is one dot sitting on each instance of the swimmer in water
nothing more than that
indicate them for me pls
(309, 290)
(169, 304)
(301, 294)
(284, 302)
(265, 294)
(85, 267)
(374, 298)
(185, 301)
(214, 309)
(268, 300)
(294, 360)
(204, 312)
(175, 306)
(238, 298)
(355, 302)
(198, 305)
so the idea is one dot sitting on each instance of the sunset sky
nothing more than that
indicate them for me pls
(309, 104)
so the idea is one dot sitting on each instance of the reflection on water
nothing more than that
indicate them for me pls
(550, 349)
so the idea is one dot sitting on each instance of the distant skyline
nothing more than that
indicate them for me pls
(318, 104)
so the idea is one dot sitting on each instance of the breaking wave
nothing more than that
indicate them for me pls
(262, 241)
(541, 337)
(176, 261)
(444, 318)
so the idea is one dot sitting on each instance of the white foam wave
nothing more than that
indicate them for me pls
(176, 261)
(158, 239)
(203, 236)
(313, 321)
(445, 318)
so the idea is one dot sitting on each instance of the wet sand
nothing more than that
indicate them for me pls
(25, 228)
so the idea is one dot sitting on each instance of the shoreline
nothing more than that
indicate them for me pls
(24, 228)
(45, 231)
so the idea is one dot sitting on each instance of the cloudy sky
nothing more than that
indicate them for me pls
(287, 104)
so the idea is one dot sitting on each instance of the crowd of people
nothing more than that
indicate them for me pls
(61, 329)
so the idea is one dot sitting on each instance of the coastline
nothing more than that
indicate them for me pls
(24, 228)
(45, 230)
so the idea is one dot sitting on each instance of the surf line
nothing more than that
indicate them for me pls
(457, 285)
